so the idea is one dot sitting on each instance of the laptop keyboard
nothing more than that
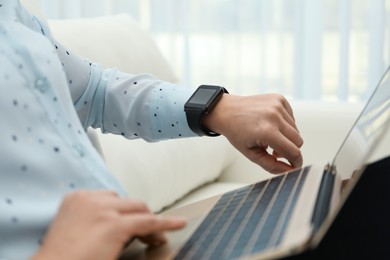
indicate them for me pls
(247, 220)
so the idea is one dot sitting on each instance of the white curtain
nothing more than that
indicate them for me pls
(306, 49)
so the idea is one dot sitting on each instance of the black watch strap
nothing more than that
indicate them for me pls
(196, 123)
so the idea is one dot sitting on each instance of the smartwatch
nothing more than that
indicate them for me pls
(201, 103)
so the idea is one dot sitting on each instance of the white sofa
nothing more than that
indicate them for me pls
(176, 172)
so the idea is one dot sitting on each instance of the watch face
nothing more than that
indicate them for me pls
(202, 97)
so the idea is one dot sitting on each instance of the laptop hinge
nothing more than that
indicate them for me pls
(324, 197)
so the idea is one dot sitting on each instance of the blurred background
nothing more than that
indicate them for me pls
(328, 50)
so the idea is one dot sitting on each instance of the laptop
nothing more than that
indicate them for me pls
(284, 215)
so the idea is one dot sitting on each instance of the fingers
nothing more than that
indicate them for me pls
(139, 221)
(289, 118)
(150, 227)
(282, 147)
(282, 117)
(291, 134)
(285, 148)
(287, 106)
(145, 224)
(136, 219)
(287, 141)
(126, 205)
(112, 200)
(155, 239)
(269, 162)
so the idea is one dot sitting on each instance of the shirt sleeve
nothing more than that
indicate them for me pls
(134, 106)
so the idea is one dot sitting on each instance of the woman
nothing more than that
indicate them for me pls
(57, 197)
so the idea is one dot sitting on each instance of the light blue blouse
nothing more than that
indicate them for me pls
(49, 96)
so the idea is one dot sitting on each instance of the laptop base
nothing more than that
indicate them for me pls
(361, 230)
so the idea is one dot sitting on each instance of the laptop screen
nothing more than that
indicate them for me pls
(367, 131)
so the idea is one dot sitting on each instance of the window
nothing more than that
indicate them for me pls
(317, 50)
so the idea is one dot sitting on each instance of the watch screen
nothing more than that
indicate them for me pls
(202, 95)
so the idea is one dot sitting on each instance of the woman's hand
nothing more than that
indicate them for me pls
(97, 224)
(255, 123)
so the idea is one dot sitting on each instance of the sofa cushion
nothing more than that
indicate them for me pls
(113, 41)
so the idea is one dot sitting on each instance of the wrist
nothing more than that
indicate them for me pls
(48, 253)
(217, 117)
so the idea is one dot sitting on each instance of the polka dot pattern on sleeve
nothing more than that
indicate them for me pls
(45, 151)
(140, 106)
